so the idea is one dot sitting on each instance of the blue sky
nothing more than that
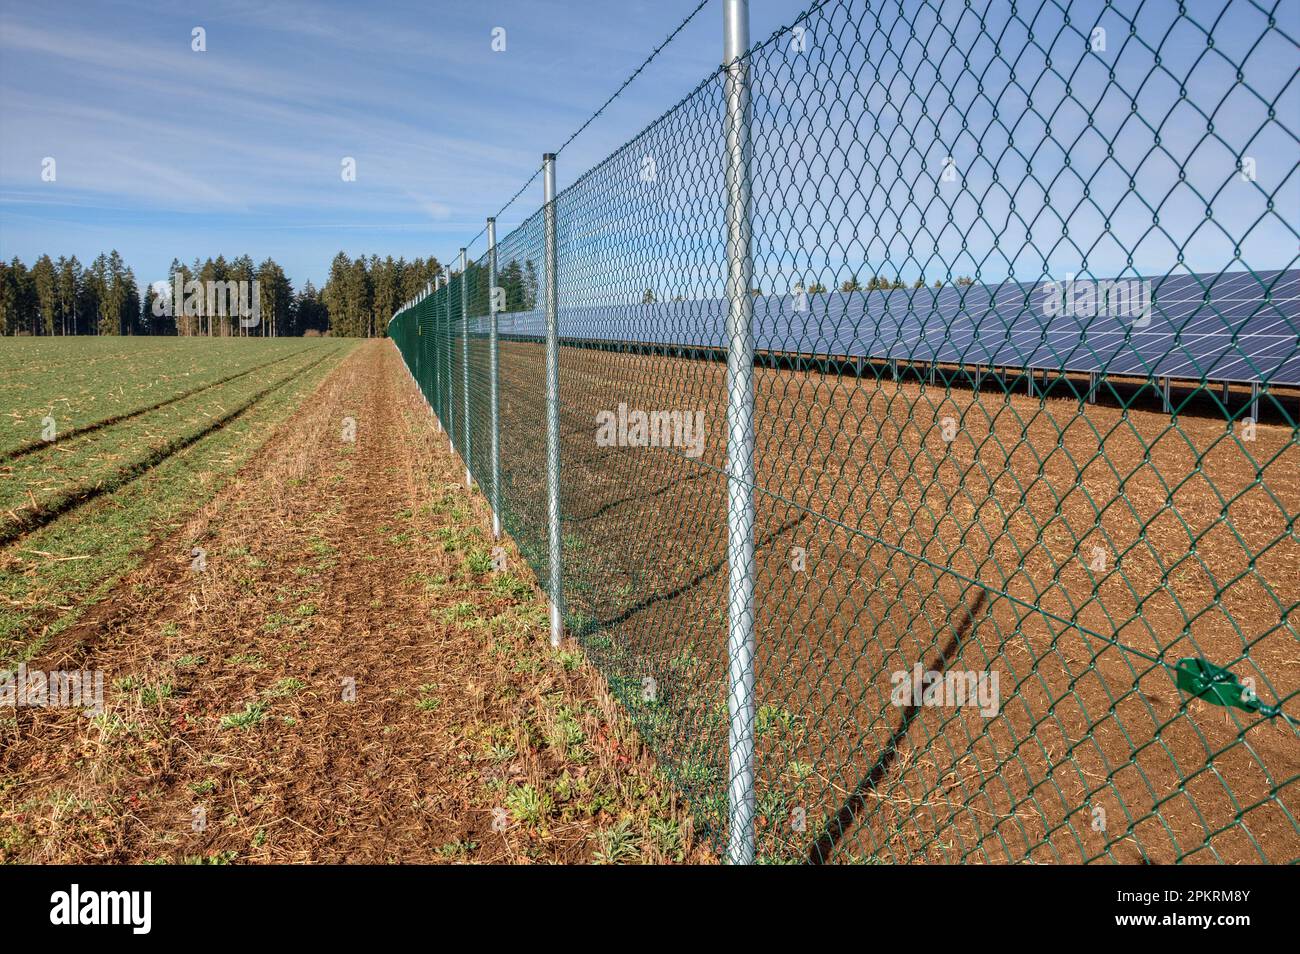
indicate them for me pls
(162, 151)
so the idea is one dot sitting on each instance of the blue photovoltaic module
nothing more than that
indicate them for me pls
(1235, 326)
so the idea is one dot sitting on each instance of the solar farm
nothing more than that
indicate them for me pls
(1234, 327)
(1072, 500)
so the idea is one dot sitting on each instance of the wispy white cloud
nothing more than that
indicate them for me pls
(174, 152)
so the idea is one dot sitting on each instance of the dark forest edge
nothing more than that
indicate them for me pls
(63, 297)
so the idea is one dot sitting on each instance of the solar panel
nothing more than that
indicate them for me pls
(1232, 327)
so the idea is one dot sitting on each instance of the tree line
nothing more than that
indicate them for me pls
(362, 293)
(63, 297)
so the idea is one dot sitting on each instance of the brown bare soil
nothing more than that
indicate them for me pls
(347, 679)
(1094, 754)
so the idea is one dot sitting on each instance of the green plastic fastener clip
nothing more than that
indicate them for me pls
(1217, 686)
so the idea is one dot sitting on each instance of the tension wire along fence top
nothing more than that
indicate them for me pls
(945, 356)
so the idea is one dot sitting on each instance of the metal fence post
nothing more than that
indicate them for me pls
(493, 379)
(553, 403)
(446, 351)
(740, 441)
(464, 361)
(435, 384)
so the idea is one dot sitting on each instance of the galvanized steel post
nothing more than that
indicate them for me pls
(446, 353)
(553, 403)
(493, 379)
(740, 440)
(436, 361)
(464, 360)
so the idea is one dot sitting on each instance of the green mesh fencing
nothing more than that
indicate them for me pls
(1027, 476)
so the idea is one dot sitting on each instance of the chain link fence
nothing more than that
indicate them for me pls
(1022, 404)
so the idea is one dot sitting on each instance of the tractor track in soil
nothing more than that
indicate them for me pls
(31, 447)
(29, 521)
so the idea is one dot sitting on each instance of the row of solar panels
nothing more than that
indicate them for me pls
(1236, 326)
